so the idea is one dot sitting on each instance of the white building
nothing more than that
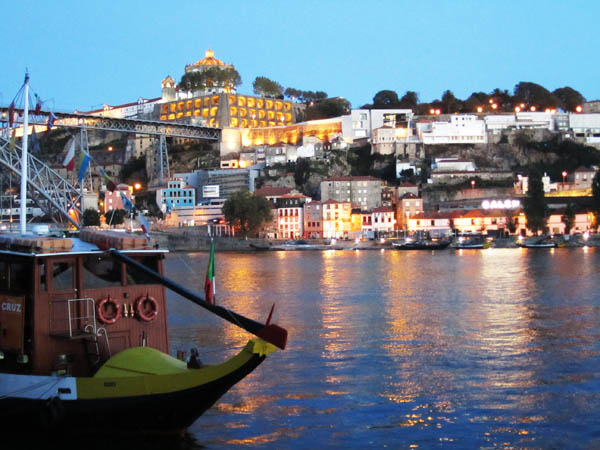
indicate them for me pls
(527, 119)
(386, 138)
(383, 219)
(585, 126)
(453, 165)
(460, 129)
(360, 123)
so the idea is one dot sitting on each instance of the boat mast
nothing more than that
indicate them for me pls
(23, 209)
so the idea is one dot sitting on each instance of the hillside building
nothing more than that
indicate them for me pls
(364, 192)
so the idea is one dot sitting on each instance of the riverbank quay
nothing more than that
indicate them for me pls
(192, 239)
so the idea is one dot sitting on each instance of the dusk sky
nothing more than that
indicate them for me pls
(81, 55)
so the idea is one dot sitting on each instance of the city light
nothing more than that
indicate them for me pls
(578, 109)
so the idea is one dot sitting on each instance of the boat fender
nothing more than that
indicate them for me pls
(106, 316)
(147, 315)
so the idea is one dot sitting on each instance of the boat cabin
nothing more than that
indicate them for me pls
(66, 305)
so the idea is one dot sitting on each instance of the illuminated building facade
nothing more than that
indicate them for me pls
(290, 214)
(176, 194)
(113, 200)
(337, 219)
(230, 110)
(384, 220)
(313, 220)
(364, 192)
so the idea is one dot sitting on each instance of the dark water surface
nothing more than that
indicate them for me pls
(452, 349)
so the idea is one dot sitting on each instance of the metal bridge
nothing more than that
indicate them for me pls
(52, 193)
(136, 126)
(48, 189)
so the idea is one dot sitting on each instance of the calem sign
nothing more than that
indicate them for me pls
(501, 204)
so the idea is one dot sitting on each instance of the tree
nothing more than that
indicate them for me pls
(91, 217)
(509, 217)
(534, 95)
(410, 100)
(475, 100)
(568, 98)
(568, 218)
(330, 107)
(115, 216)
(247, 211)
(450, 104)
(302, 171)
(294, 94)
(503, 99)
(595, 207)
(267, 88)
(386, 100)
(213, 76)
(534, 205)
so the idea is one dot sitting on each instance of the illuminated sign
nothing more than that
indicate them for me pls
(210, 191)
(501, 204)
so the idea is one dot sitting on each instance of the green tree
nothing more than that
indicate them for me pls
(568, 218)
(450, 104)
(91, 217)
(291, 93)
(534, 95)
(247, 211)
(330, 107)
(410, 100)
(534, 205)
(115, 216)
(386, 100)
(568, 98)
(595, 207)
(213, 76)
(267, 88)
(302, 171)
(475, 100)
(503, 99)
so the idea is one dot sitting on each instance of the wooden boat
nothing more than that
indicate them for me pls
(84, 341)
(543, 242)
(422, 244)
(471, 244)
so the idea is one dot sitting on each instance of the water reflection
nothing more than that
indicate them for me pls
(493, 348)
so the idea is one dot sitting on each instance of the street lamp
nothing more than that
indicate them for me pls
(564, 174)
(472, 184)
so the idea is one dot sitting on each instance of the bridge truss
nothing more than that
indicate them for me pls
(52, 193)
(48, 190)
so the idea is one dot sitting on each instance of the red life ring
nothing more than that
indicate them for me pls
(108, 310)
(145, 312)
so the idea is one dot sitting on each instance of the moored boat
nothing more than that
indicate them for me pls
(471, 243)
(84, 339)
(421, 244)
(538, 242)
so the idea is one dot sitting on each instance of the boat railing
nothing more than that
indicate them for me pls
(80, 321)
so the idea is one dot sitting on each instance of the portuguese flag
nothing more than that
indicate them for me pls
(209, 283)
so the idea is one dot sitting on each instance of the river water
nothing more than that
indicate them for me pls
(493, 348)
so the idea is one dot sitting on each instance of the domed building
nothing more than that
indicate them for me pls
(217, 104)
(208, 61)
(211, 76)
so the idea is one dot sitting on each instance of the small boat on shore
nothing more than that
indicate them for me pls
(421, 244)
(471, 243)
(538, 242)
